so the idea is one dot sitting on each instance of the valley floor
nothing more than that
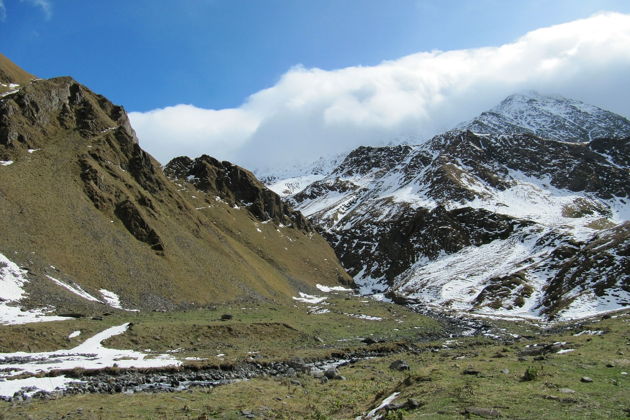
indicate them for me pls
(278, 361)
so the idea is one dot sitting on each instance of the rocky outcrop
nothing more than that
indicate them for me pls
(386, 249)
(600, 268)
(549, 117)
(237, 186)
(46, 108)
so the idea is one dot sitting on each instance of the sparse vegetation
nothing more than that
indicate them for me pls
(435, 381)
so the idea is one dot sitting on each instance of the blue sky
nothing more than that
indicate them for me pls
(216, 54)
(146, 54)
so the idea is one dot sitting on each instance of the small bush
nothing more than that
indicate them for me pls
(531, 374)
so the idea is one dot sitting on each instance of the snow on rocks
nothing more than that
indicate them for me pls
(456, 280)
(328, 289)
(309, 298)
(366, 317)
(31, 386)
(589, 332)
(387, 401)
(76, 289)
(588, 304)
(74, 334)
(113, 300)
(12, 280)
(91, 354)
(6, 162)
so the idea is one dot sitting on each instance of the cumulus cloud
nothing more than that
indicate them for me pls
(311, 112)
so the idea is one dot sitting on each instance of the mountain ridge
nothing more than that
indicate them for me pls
(549, 116)
(395, 214)
(85, 209)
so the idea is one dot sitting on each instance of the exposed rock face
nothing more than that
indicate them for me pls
(600, 267)
(497, 223)
(83, 203)
(386, 249)
(550, 117)
(238, 187)
(44, 108)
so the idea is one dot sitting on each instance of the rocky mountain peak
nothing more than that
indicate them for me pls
(549, 116)
(237, 186)
(42, 109)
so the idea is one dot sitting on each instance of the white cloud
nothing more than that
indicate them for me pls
(3, 11)
(45, 5)
(311, 112)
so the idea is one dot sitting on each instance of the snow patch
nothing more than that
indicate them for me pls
(113, 300)
(91, 354)
(387, 401)
(309, 298)
(9, 388)
(588, 304)
(12, 280)
(76, 289)
(589, 332)
(328, 289)
(366, 317)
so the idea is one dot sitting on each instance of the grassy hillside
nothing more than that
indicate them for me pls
(83, 203)
(11, 74)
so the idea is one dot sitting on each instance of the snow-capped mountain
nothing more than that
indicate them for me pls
(505, 224)
(550, 117)
(293, 179)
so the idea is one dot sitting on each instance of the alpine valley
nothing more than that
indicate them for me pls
(482, 273)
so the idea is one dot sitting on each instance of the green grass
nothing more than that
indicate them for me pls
(436, 378)
(274, 332)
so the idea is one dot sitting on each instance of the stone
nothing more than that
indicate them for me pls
(471, 371)
(412, 404)
(399, 365)
(486, 413)
(566, 391)
(298, 364)
(332, 373)
(586, 379)
(505, 371)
